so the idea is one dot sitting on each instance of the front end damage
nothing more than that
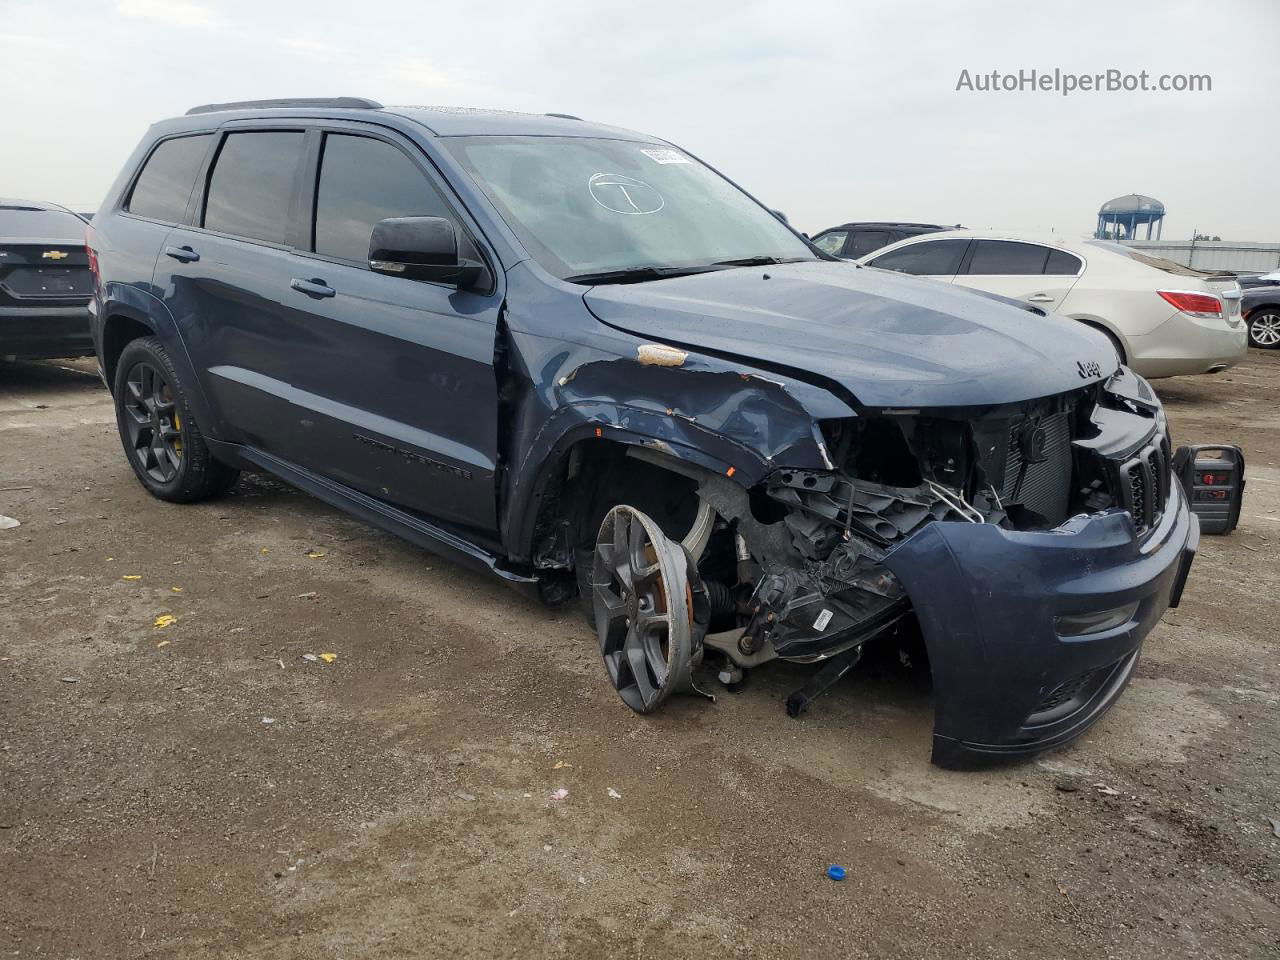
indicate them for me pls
(1035, 544)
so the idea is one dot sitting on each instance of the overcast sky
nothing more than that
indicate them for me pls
(829, 112)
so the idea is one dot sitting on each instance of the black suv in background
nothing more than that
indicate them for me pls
(579, 358)
(852, 240)
(44, 281)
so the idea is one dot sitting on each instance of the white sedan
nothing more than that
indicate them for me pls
(1164, 319)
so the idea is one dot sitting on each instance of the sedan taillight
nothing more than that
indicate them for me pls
(1203, 305)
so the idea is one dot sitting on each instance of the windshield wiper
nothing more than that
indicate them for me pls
(759, 261)
(636, 274)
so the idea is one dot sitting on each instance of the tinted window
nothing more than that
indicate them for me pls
(363, 181)
(1062, 264)
(164, 186)
(28, 224)
(831, 243)
(867, 240)
(929, 258)
(251, 185)
(1006, 258)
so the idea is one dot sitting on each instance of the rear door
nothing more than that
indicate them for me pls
(394, 387)
(866, 241)
(225, 279)
(1039, 274)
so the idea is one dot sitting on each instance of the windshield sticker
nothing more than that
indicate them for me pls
(621, 194)
(665, 156)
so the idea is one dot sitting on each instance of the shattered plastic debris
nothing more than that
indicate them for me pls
(328, 657)
(560, 794)
(69, 679)
(309, 595)
(176, 589)
(1106, 791)
(268, 719)
(8, 523)
(165, 620)
(162, 643)
(614, 794)
(315, 553)
(310, 657)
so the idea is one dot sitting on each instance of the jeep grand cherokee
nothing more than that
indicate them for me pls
(580, 358)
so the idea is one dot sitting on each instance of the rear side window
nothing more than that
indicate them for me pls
(362, 181)
(831, 243)
(252, 183)
(929, 258)
(164, 186)
(1006, 258)
(867, 240)
(1063, 264)
(19, 223)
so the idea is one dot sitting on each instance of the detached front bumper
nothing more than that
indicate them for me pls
(1007, 681)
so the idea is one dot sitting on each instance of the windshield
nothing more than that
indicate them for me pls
(585, 206)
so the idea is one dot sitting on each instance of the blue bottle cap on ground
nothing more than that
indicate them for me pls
(835, 872)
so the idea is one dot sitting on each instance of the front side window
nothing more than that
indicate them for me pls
(831, 243)
(929, 258)
(583, 206)
(164, 186)
(1005, 258)
(362, 181)
(866, 241)
(252, 183)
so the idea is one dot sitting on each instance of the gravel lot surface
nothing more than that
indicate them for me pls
(206, 789)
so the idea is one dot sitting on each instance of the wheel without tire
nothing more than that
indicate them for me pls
(1264, 329)
(651, 609)
(161, 438)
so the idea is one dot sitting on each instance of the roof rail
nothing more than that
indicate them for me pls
(562, 116)
(342, 103)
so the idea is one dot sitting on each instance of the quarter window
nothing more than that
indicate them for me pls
(252, 184)
(1005, 258)
(929, 258)
(1063, 264)
(362, 181)
(164, 186)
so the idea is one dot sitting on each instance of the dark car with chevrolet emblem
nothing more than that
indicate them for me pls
(579, 358)
(44, 282)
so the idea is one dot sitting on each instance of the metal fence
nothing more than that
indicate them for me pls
(1214, 254)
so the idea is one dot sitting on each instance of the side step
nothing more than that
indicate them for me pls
(392, 519)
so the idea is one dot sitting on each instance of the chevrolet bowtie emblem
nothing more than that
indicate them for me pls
(55, 255)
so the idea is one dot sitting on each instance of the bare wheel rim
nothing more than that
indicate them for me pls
(1264, 329)
(152, 426)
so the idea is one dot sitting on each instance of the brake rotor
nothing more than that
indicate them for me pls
(651, 609)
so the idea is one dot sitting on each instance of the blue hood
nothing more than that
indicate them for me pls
(889, 339)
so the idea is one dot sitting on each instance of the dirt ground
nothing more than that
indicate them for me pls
(206, 790)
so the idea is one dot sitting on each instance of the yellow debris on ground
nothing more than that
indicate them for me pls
(165, 620)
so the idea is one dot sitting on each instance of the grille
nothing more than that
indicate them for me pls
(1043, 487)
(47, 282)
(1065, 693)
(1144, 486)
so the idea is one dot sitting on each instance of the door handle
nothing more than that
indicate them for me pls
(183, 254)
(312, 288)
(1040, 298)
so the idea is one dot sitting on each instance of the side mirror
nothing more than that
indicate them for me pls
(422, 248)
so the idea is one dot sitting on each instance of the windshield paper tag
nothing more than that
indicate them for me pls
(665, 156)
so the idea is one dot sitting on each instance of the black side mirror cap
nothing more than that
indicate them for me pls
(422, 248)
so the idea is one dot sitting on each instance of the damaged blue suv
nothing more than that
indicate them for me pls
(583, 360)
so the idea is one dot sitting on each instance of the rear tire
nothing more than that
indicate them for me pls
(1264, 328)
(162, 440)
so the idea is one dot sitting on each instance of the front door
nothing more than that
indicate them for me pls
(394, 391)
